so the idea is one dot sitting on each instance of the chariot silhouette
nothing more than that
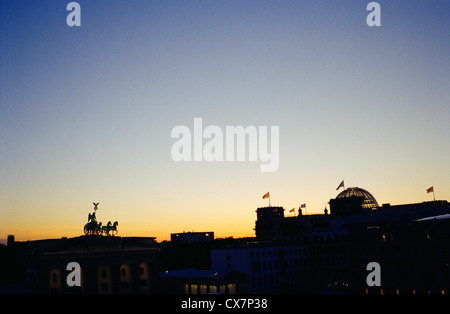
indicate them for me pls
(95, 228)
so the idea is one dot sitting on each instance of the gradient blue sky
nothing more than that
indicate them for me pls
(87, 112)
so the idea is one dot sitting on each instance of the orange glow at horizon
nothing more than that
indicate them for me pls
(87, 113)
(233, 218)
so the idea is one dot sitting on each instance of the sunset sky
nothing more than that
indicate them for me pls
(86, 113)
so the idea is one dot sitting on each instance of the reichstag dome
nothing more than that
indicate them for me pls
(369, 201)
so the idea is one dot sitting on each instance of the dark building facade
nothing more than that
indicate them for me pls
(267, 226)
(410, 242)
(414, 256)
(321, 253)
(202, 281)
(192, 237)
(107, 264)
(271, 267)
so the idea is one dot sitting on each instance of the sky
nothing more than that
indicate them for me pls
(86, 113)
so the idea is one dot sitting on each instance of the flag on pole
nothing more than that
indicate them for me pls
(292, 210)
(267, 195)
(429, 190)
(341, 185)
(303, 206)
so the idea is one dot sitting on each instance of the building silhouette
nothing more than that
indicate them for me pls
(192, 237)
(108, 264)
(329, 253)
(319, 253)
(369, 202)
(202, 281)
(269, 219)
(272, 267)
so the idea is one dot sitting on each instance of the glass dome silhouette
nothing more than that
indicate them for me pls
(369, 201)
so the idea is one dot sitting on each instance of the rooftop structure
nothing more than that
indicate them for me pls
(369, 201)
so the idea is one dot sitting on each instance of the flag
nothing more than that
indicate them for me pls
(430, 190)
(292, 210)
(341, 185)
(303, 206)
(266, 195)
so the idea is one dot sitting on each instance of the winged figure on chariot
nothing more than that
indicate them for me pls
(95, 228)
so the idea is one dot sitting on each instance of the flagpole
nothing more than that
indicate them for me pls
(431, 189)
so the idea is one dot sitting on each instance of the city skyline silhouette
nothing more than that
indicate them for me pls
(87, 111)
(357, 247)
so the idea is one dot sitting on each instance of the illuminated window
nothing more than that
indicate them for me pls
(55, 280)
